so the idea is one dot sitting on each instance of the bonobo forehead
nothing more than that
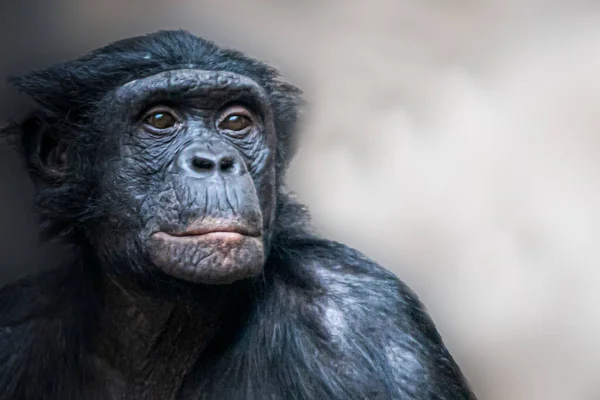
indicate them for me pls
(189, 82)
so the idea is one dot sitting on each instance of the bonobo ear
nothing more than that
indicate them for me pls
(45, 154)
(289, 107)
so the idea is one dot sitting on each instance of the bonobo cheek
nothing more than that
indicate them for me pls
(210, 258)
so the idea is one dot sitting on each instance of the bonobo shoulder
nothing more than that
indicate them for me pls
(378, 322)
(355, 295)
(348, 275)
(40, 330)
(25, 307)
(19, 333)
(36, 296)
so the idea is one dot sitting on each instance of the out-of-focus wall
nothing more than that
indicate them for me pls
(456, 142)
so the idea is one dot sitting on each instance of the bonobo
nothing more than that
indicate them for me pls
(193, 273)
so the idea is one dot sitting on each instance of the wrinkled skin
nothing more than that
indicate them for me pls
(206, 226)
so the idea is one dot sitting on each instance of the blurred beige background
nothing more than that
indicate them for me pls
(454, 141)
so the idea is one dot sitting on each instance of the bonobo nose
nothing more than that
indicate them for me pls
(203, 162)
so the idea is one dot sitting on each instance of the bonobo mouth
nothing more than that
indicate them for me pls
(226, 230)
(233, 229)
(211, 252)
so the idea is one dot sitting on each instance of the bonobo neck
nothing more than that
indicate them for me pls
(146, 346)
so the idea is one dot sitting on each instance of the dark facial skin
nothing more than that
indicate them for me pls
(191, 170)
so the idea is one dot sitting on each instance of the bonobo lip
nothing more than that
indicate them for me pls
(205, 230)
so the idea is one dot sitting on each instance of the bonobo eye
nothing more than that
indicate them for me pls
(160, 119)
(236, 120)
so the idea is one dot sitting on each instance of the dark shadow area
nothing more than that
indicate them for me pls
(26, 42)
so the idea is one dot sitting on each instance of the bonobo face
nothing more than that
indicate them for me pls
(189, 161)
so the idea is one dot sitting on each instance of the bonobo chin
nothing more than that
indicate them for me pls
(160, 161)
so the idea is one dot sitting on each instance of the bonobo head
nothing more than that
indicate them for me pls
(163, 155)
(191, 159)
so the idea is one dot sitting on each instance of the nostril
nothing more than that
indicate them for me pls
(226, 164)
(202, 164)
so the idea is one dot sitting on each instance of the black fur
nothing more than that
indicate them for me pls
(321, 322)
